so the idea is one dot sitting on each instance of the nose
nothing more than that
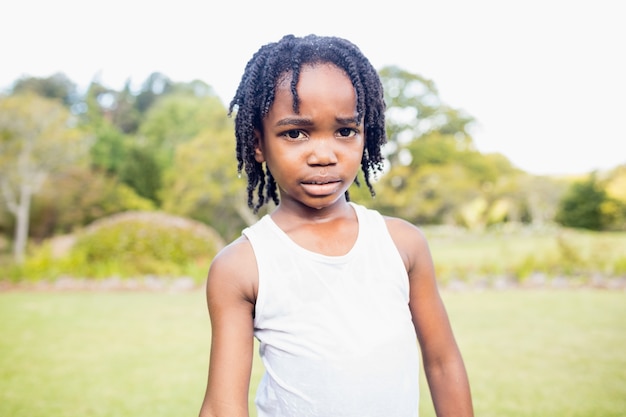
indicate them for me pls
(322, 153)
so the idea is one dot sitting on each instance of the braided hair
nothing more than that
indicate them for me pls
(256, 91)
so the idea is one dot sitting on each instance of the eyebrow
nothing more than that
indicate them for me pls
(294, 121)
(348, 120)
(302, 121)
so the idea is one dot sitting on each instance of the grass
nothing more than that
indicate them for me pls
(543, 353)
(528, 353)
(520, 252)
(102, 354)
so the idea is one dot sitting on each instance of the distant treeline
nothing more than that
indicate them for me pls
(68, 158)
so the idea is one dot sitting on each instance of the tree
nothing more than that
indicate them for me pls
(415, 110)
(203, 184)
(155, 86)
(124, 114)
(177, 118)
(110, 149)
(581, 206)
(435, 174)
(57, 86)
(37, 138)
(142, 173)
(441, 182)
(77, 196)
(103, 107)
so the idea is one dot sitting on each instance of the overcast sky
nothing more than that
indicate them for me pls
(545, 79)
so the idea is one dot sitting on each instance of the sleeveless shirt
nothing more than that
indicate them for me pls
(335, 332)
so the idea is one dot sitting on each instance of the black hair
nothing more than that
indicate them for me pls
(255, 96)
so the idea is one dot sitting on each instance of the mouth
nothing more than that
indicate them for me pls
(320, 182)
(321, 187)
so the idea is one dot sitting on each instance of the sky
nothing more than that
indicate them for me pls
(544, 79)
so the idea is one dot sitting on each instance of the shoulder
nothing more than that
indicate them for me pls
(407, 236)
(234, 269)
(410, 242)
(401, 231)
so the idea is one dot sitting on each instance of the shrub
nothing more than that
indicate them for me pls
(130, 244)
(581, 206)
(147, 243)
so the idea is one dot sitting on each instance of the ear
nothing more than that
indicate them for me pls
(258, 147)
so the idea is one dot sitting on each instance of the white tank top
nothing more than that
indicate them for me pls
(335, 332)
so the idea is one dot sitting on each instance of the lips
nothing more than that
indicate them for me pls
(320, 186)
(321, 180)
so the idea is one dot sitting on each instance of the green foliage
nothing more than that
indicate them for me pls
(97, 105)
(616, 183)
(55, 87)
(178, 118)
(125, 109)
(77, 197)
(432, 194)
(125, 245)
(110, 149)
(433, 149)
(38, 138)
(153, 88)
(203, 183)
(146, 243)
(581, 206)
(415, 110)
(173, 144)
(615, 206)
(124, 115)
(141, 171)
(444, 182)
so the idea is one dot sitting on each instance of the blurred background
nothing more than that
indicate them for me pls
(119, 184)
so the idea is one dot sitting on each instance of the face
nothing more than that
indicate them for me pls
(315, 155)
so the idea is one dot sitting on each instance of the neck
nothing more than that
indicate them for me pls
(294, 212)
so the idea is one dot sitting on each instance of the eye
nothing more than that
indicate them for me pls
(294, 135)
(346, 132)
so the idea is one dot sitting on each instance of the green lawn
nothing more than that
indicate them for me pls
(516, 253)
(528, 353)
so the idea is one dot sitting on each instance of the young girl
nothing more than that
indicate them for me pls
(337, 295)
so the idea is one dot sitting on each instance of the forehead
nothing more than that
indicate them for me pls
(321, 82)
(284, 79)
(321, 90)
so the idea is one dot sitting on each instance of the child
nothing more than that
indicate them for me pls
(337, 295)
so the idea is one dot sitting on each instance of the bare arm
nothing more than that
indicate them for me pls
(231, 291)
(443, 364)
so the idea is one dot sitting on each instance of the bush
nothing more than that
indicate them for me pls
(130, 244)
(581, 206)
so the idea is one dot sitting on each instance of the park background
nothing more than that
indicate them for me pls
(119, 185)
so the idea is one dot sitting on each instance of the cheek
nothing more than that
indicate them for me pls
(358, 154)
